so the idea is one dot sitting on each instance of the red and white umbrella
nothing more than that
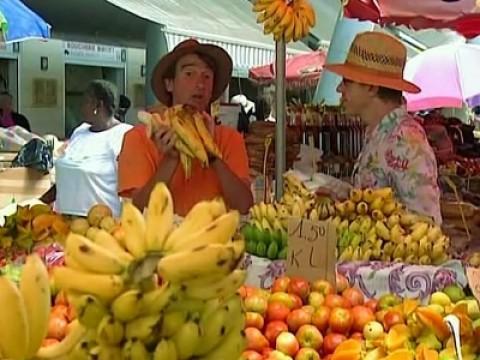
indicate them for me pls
(462, 16)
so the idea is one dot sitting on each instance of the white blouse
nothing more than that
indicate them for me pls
(87, 172)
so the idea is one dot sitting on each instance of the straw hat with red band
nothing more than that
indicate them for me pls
(222, 70)
(378, 59)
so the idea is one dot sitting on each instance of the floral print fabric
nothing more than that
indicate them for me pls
(397, 154)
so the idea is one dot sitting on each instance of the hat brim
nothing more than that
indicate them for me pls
(221, 59)
(369, 77)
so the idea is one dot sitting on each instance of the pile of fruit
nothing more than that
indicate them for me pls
(194, 140)
(61, 320)
(372, 225)
(312, 321)
(285, 19)
(266, 233)
(125, 312)
(30, 225)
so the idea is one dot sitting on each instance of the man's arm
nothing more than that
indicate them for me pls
(235, 190)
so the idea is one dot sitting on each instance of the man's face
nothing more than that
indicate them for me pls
(355, 96)
(193, 82)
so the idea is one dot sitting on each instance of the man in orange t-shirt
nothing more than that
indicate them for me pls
(192, 74)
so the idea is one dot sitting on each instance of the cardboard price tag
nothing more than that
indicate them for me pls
(312, 249)
(473, 277)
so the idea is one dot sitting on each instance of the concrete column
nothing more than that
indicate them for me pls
(343, 35)
(157, 46)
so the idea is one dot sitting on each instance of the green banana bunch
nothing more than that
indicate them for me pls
(110, 331)
(165, 350)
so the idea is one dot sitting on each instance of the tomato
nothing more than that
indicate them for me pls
(61, 298)
(60, 310)
(362, 315)
(372, 304)
(357, 336)
(277, 311)
(280, 284)
(391, 318)
(57, 327)
(341, 282)
(331, 341)
(255, 320)
(49, 341)
(255, 339)
(298, 318)
(300, 287)
(321, 318)
(354, 296)
(250, 355)
(341, 320)
(273, 329)
(334, 300)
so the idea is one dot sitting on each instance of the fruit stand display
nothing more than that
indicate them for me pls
(301, 320)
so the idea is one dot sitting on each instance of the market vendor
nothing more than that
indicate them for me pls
(194, 74)
(86, 173)
(397, 152)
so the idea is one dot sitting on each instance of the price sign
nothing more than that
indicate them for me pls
(311, 249)
(473, 277)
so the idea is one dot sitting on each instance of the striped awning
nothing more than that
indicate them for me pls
(229, 24)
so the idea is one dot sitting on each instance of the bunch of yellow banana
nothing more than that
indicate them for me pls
(24, 311)
(194, 140)
(195, 312)
(372, 225)
(287, 19)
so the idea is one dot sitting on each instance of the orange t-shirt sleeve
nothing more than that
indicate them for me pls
(136, 163)
(235, 155)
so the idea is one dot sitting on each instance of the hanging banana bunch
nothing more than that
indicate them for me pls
(287, 19)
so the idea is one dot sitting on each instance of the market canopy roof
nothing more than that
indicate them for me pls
(462, 16)
(229, 24)
(302, 70)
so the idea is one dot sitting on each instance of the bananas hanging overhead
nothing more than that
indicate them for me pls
(288, 20)
(194, 140)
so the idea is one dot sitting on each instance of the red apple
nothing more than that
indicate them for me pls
(331, 341)
(277, 311)
(341, 283)
(308, 308)
(334, 300)
(309, 336)
(316, 299)
(307, 354)
(251, 355)
(266, 352)
(273, 329)
(341, 320)
(287, 343)
(323, 287)
(298, 318)
(353, 296)
(357, 336)
(297, 301)
(255, 320)
(362, 315)
(300, 287)
(256, 303)
(372, 304)
(321, 318)
(255, 339)
(278, 355)
(284, 298)
(388, 300)
(391, 318)
(280, 284)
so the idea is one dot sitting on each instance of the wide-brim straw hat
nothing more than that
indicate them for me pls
(376, 58)
(219, 57)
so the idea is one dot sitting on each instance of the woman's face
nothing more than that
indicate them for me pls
(90, 108)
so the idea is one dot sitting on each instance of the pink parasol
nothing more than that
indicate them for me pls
(462, 16)
(301, 70)
(448, 76)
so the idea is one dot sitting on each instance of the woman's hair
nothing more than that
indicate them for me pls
(106, 92)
